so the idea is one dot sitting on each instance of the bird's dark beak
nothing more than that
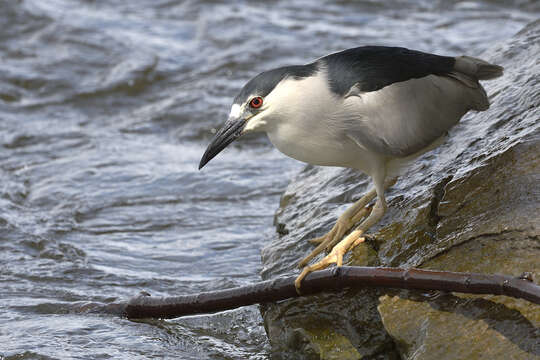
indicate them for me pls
(226, 135)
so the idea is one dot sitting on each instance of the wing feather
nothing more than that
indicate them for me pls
(405, 117)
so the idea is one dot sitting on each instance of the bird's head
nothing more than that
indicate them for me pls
(256, 107)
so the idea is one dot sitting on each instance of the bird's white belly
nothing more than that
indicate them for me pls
(319, 149)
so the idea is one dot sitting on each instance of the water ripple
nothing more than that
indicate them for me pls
(106, 108)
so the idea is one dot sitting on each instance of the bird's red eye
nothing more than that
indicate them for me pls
(256, 102)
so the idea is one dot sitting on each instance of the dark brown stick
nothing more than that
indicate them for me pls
(145, 306)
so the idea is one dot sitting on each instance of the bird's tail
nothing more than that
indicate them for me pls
(468, 71)
(476, 68)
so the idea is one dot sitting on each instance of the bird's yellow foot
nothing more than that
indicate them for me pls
(358, 211)
(330, 239)
(334, 257)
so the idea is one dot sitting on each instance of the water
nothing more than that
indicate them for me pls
(105, 110)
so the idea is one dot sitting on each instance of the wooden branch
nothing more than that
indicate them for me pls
(145, 306)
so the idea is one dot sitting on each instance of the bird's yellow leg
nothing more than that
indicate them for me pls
(346, 221)
(354, 238)
(335, 256)
(331, 241)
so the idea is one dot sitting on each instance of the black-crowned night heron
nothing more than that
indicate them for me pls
(370, 108)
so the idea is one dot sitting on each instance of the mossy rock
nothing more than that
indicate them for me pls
(500, 236)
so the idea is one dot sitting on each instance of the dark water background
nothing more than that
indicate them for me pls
(105, 110)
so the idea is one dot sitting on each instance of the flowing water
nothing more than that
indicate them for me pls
(105, 110)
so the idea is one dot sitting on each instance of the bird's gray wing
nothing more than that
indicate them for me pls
(403, 100)
(405, 117)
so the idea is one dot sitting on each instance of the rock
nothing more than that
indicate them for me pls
(470, 205)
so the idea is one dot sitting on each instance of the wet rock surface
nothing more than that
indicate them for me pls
(470, 205)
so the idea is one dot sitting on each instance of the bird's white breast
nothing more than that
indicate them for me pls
(304, 126)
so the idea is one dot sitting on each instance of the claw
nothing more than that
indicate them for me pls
(299, 279)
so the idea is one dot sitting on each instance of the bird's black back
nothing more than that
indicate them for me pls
(371, 68)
